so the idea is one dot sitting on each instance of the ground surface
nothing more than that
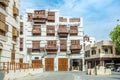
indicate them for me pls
(1, 75)
(69, 76)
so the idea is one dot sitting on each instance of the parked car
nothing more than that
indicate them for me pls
(118, 69)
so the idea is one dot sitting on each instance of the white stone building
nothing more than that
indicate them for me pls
(9, 30)
(53, 40)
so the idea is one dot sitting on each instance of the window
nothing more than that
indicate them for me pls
(50, 31)
(14, 34)
(21, 44)
(51, 17)
(99, 51)
(3, 26)
(73, 30)
(106, 51)
(36, 31)
(87, 53)
(36, 46)
(93, 52)
(21, 28)
(111, 49)
(37, 58)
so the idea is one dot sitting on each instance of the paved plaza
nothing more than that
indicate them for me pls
(1, 75)
(70, 76)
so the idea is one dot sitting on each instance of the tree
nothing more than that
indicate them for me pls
(115, 36)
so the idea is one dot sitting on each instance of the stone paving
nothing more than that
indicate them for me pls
(1, 75)
(69, 76)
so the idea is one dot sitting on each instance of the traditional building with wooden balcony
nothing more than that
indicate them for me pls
(15, 34)
(21, 28)
(15, 11)
(51, 47)
(39, 17)
(62, 19)
(62, 31)
(36, 31)
(50, 30)
(63, 45)
(73, 30)
(9, 27)
(51, 17)
(56, 34)
(75, 47)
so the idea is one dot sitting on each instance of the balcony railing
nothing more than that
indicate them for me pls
(2, 17)
(106, 55)
(36, 32)
(4, 2)
(51, 47)
(21, 45)
(15, 32)
(36, 16)
(61, 19)
(63, 48)
(39, 21)
(21, 30)
(73, 32)
(74, 19)
(75, 47)
(36, 47)
(51, 52)
(51, 13)
(62, 31)
(51, 18)
(50, 32)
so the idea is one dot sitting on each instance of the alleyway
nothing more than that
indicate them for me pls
(69, 76)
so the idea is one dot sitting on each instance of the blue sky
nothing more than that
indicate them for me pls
(99, 16)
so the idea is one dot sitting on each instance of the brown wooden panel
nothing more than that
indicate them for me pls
(49, 64)
(63, 64)
(36, 63)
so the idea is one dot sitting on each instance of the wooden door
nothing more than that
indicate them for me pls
(49, 64)
(21, 62)
(36, 63)
(63, 64)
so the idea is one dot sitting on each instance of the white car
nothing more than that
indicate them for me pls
(118, 69)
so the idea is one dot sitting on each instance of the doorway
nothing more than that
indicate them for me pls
(76, 64)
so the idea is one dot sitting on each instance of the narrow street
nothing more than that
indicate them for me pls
(69, 76)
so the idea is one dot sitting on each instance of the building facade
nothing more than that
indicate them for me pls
(9, 30)
(52, 40)
(102, 53)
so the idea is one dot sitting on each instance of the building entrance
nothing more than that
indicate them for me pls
(76, 64)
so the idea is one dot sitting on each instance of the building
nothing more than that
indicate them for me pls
(9, 30)
(88, 41)
(101, 53)
(52, 40)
